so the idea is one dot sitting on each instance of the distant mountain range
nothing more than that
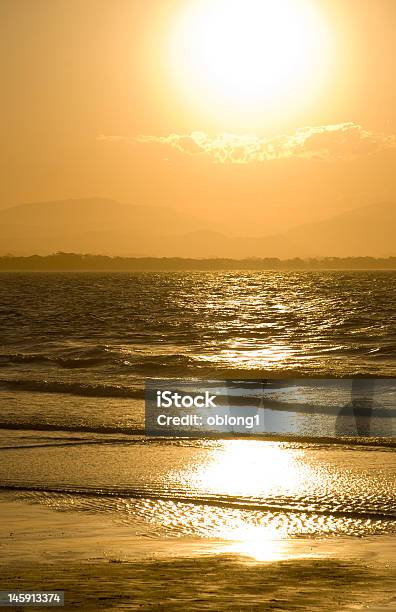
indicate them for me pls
(103, 226)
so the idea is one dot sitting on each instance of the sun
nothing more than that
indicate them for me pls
(248, 55)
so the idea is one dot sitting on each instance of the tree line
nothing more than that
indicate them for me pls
(85, 262)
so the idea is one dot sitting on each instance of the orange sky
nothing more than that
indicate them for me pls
(91, 107)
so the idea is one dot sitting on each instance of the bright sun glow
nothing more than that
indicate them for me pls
(249, 54)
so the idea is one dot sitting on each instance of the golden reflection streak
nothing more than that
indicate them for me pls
(259, 543)
(253, 358)
(251, 468)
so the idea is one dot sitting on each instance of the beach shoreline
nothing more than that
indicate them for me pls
(104, 565)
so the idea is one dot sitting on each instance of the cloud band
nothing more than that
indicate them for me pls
(327, 142)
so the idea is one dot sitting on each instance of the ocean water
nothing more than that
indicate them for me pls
(76, 348)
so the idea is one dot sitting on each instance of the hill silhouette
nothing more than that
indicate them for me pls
(97, 225)
(106, 227)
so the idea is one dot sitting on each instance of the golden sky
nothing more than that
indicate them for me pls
(257, 113)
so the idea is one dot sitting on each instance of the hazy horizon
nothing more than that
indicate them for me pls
(106, 227)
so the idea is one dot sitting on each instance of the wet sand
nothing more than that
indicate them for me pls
(104, 565)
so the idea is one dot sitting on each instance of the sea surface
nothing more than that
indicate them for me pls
(75, 349)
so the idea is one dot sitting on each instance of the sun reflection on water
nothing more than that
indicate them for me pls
(249, 468)
(241, 355)
(258, 543)
(250, 471)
